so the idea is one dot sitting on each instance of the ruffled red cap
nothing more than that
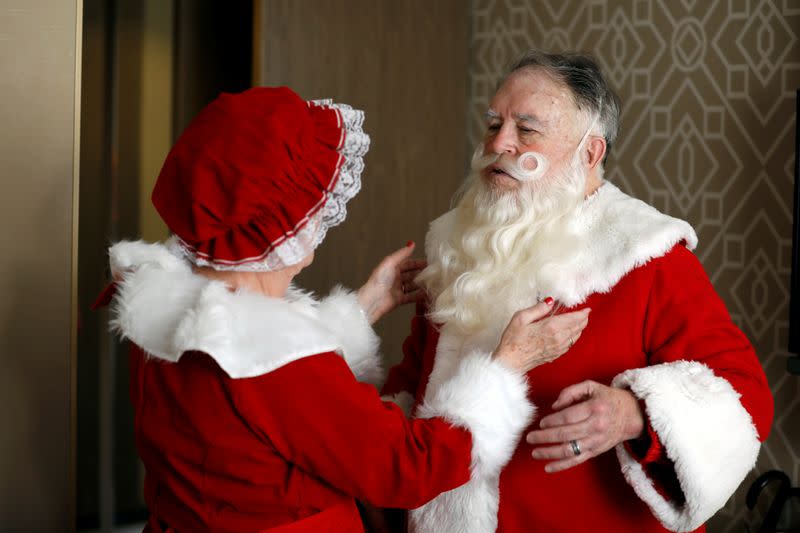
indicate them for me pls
(258, 177)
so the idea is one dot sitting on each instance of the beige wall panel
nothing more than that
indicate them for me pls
(708, 93)
(405, 64)
(39, 45)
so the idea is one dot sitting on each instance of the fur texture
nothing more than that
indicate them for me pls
(690, 409)
(127, 255)
(471, 390)
(167, 310)
(619, 233)
(340, 311)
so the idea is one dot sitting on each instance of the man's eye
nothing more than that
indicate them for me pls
(526, 130)
(493, 127)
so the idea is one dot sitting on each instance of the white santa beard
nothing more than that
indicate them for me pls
(476, 279)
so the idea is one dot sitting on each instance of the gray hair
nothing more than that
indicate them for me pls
(589, 88)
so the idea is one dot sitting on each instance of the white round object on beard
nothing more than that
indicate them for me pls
(530, 166)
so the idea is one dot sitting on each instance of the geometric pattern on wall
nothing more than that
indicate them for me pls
(707, 135)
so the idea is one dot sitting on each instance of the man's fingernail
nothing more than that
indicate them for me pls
(410, 243)
(549, 300)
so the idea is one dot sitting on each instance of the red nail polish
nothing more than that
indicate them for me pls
(549, 300)
(410, 243)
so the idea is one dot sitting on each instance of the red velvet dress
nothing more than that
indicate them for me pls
(284, 451)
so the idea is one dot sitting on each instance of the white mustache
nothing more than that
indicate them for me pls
(528, 166)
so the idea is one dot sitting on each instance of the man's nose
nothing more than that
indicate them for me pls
(502, 143)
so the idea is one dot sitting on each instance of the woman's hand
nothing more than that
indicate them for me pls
(391, 284)
(532, 338)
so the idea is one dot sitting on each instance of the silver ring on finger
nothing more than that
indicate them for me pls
(576, 449)
(571, 342)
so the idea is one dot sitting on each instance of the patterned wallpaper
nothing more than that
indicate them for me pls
(707, 135)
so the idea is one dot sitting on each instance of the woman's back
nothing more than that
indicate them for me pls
(207, 470)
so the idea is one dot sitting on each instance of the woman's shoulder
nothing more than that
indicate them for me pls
(168, 310)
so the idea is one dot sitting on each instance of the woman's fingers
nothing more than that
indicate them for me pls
(409, 291)
(534, 313)
(397, 257)
(573, 319)
(533, 338)
(414, 296)
(567, 328)
(390, 283)
(412, 264)
(408, 276)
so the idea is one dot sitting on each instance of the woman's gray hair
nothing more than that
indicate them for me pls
(582, 75)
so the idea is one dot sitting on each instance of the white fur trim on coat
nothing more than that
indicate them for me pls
(706, 432)
(127, 255)
(490, 400)
(341, 313)
(166, 309)
(621, 233)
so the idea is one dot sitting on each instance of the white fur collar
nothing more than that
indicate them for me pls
(166, 309)
(621, 233)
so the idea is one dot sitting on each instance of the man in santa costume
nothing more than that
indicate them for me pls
(655, 415)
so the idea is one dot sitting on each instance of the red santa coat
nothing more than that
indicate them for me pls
(658, 328)
(249, 417)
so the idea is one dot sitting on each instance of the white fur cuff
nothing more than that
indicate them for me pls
(491, 401)
(706, 432)
(342, 315)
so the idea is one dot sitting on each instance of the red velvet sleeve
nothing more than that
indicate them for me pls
(686, 319)
(320, 418)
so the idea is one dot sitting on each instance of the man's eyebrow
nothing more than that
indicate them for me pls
(519, 117)
(522, 117)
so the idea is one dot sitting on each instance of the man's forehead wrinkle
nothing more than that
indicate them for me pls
(535, 98)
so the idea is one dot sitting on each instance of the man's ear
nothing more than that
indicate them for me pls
(595, 150)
